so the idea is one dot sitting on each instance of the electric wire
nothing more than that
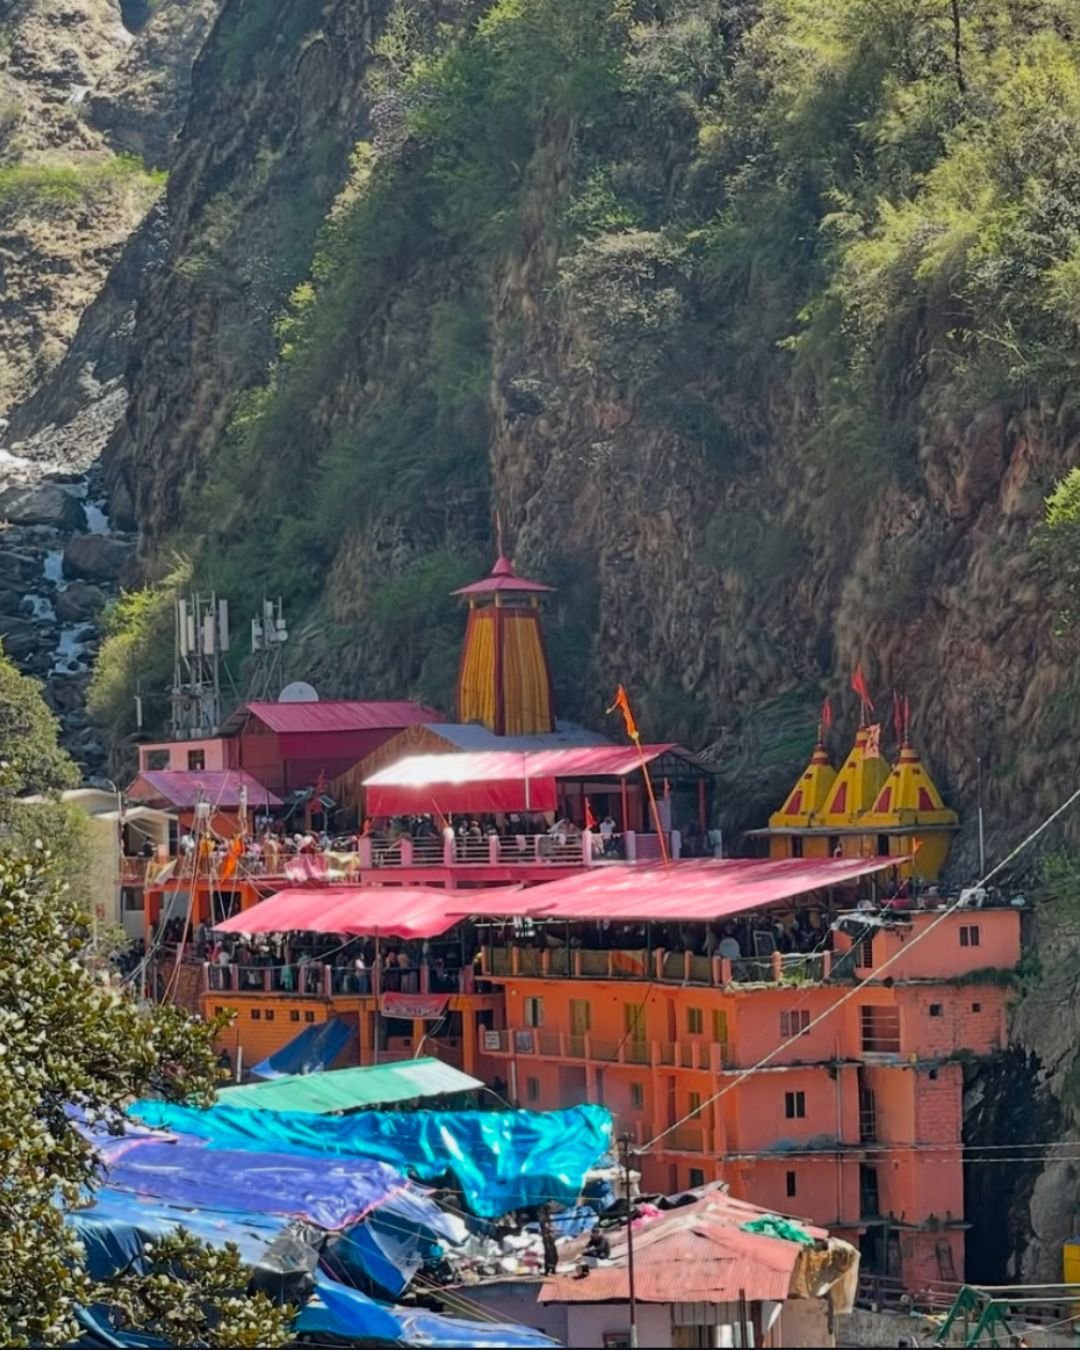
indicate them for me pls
(856, 989)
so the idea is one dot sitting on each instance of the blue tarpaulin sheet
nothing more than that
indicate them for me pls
(313, 1050)
(333, 1193)
(118, 1225)
(340, 1311)
(501, 1160)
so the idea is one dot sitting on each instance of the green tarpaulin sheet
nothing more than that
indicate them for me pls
(772, 1225)
(351, 1089)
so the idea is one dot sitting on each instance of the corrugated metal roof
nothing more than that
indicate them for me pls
(182, 788)
(335, 715)
(694, 1255)
(702, 889)
(350, 1089)
(473, 736)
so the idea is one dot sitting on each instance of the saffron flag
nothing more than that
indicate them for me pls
(622, 704)
(858, 683)
(590, 819)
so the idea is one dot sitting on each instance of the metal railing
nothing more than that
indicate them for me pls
(667, 967)
(701, 1056)
(318, 979)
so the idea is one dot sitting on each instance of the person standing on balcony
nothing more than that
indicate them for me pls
(547, 1237)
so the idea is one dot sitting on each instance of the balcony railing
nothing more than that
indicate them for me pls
(669, 967)
(317, 979)
(535, 1042)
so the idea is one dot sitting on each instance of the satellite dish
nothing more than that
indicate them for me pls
(298, 692)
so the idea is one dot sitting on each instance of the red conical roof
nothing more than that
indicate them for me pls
(502, 577)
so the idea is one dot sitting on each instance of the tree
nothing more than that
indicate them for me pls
(70, 1035)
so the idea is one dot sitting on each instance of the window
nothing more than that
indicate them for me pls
(695, 1022)
(969, 935)
(580, 1019)
(794, 1024)
(637, 1096)
(134, 901)
(156, 759)
(791, 1185)
(532, 1089)
(719, 1026)
(976, 1007)
(534, 1012)
(868, 1191)
(196, 759)
(294, 1016)
(697, 1178)
(936, 1010)
(880, 1030)
(309, 1017)
(693, 1100)
(795, 1105)
(269, 1015)
(256, 1014)
(932, 1075)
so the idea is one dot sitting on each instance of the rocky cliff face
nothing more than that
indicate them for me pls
(91, 97)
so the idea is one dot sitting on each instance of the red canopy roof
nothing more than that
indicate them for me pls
(497, 780)
(700, 890)
(387, 911)
(338, 715)
(183, 788)
(502, 577)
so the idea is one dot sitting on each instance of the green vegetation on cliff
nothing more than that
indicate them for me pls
(792, 243)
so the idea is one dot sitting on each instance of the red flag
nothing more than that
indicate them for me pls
(907, 718)
(858, 683)
(590, 819)
(622, 704)
(897, 716)
(826, 713)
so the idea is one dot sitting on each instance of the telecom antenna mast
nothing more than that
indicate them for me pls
(202, 636)
(269, 634)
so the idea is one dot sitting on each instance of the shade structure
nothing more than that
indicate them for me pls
(352, 1089)
(705, 890)
(404, 912)
(497, 780)
(224, 789)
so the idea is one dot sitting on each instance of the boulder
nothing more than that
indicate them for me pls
(45, 504)
(16, 568)
(67, 695)
(22, 639)
(79, 600)
(121, 508)
(99, 557)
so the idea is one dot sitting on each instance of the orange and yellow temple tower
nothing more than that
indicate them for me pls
(504, 679)
(866, 809)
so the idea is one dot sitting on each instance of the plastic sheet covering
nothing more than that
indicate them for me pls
(501, 1160)
(772, 1225)
(340, 1311)
(391, 1245)
(116, 1228)
(332, 1194)
(313, 1050)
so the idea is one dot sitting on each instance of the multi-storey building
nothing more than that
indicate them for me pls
(796, 1025)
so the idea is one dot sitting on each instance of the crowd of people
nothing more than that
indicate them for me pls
(299, 962)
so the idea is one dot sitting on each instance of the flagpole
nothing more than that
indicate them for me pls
(623, 703)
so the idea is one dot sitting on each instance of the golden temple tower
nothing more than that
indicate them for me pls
(504, 679)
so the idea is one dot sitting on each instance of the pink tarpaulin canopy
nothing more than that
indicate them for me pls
(497, 780)
(699, 890)
(387, 911)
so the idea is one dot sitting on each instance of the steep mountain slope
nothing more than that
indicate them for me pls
(756, 326)
(755, 322)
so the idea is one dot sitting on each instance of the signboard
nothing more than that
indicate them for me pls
(492, 1041)
(410, 1006)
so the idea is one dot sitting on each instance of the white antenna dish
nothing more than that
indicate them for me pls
(298, 692)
